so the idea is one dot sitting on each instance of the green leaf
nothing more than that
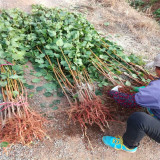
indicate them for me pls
(2, 54)
(52, 33)
(75, 96)
(18, 55)
(106, 23)
(26, 66)
(18, 68)
(31, 70)
(43, 105)
(29, 86)
(42, 55)
(51, 105)
(15, 76)
(4, 144)
(134, 76)
(3, 83)
(39, 88)
(59, 43)
(49, 52)
(36, 80)
(68, 45)
(127, 59)
(55, 108)
(2, 61)
(64, 63)
(106, 83)
(50, 87)
(3, 76)
(47, 94)
(100, 85)
(78, 62)
(104, 57)
(48, 46)
(38, 74)
(48, 77)
(60, 94)
(118, 72)
(31, 94)
(128, 83)
(41, 61)
(15, 93)
(98, 93)
(55, 102)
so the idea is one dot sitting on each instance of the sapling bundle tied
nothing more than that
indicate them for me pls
(19, 123)
(85, 107)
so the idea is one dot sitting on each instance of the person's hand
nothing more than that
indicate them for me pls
(116, 88)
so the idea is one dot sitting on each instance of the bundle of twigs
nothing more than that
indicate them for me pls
(19, 124)
(23, 129)
(127, 70)
(85, 107)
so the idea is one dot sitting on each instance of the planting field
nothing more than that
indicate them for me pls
(53, 66)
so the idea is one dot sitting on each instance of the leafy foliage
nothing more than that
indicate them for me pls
(137, 3)
(143, 6)
(55, 33)
(157, 13)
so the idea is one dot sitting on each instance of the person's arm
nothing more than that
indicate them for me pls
(123, 99)
(148, 97)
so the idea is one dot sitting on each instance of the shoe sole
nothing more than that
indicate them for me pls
(129, 151)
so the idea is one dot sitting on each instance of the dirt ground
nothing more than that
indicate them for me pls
(135, 33)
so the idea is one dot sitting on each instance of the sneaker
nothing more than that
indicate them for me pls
(117, 143)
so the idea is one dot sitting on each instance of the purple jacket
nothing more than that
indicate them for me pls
(149, 97)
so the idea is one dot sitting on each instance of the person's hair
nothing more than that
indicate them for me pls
(157, 67)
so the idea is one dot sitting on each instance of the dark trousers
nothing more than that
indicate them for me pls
(140, 124)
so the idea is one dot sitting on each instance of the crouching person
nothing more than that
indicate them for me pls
(139, 124)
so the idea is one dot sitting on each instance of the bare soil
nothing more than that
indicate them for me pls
(135, 33)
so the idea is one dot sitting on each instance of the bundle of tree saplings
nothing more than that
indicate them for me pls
(85, 107)
(19, 123)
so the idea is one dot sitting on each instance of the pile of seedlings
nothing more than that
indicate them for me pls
(19, 123)
(85, 106)
(55, 31)
(66, 49)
